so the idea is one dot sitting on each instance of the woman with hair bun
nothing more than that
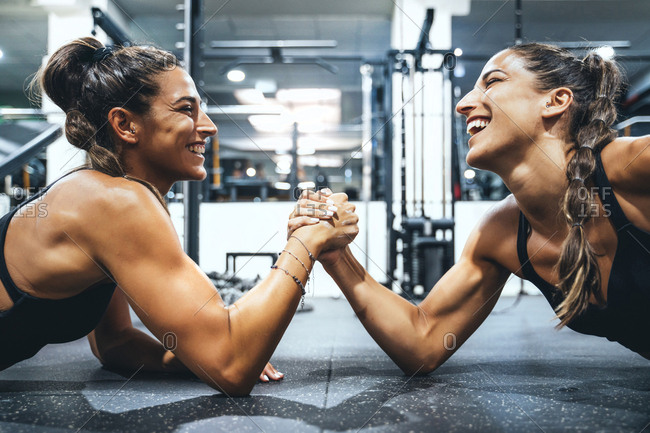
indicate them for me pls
(139, 118)
(577, 224)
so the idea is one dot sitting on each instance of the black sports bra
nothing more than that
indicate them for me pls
(626, 317)
(34, 322)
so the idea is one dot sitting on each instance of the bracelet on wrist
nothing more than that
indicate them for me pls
(296, 257)
(311, 257)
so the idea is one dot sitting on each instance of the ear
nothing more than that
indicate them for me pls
(123, 124)
(557, 102)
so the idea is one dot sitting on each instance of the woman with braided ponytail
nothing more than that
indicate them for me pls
(107, 240)
(540, 118)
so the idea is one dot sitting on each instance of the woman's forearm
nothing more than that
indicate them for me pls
(258, 320)
(134, 349)
(395, 324)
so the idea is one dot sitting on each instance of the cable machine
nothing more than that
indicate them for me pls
(424, 243)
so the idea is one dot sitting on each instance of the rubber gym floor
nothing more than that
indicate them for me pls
(516, 373)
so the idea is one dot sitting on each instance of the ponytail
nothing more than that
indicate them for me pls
(580, 277)
(595, 83)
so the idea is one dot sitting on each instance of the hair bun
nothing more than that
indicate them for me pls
(78, 130)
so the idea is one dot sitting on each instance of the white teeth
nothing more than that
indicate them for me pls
(196, 149)
(476, 125)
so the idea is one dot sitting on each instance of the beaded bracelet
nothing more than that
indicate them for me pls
(296, 257)
(313, 261)
(311, 257)
(296, 279)
(309, 276)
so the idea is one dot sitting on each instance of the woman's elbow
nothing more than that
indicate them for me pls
(422, 364)
(233, 381)
(233, 389)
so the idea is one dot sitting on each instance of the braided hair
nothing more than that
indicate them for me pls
(595, 83)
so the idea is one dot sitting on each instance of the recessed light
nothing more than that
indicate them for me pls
(236, 75)
(469, 174)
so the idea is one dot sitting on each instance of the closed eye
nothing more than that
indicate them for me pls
(491, 81)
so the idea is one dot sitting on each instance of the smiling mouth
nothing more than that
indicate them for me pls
(476, 126)
(198, 149)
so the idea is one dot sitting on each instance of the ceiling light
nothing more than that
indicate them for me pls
(301, 96)
(236, 75)
(283, 166)
(283, 185)
(1, 54)
(311, 127)
(250, 96)
(458, 52)
(330, 161)
(469, 174)
(305, 150)
(606, 52)
(271, 123)
(250, 172)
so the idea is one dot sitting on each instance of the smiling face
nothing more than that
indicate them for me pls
(503, 113)
(172, 135)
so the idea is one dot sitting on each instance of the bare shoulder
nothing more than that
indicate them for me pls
(98, 197)
(626, 161)
(494, 237)
(97, 207)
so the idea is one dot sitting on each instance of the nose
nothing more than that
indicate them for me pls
(468, 103)
(206, 126)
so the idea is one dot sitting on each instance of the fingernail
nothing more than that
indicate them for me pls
(329, 213)
(266, 377)
(332, 208)
(313, 220)
(329, 201)
(280, 374)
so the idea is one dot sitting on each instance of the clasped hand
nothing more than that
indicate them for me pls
(325, 214)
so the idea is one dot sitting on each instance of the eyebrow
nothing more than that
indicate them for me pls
(491, 71)
(185, 98)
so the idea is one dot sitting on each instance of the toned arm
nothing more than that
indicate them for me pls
(117, 344)
(420, 338)
(227, 347)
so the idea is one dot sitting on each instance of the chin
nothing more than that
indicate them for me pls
(484, 156)
(199, 174)
(476, 159)
(194, 174)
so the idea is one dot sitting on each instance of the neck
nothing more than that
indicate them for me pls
(538, 183)
(132, 168)
(163, 186)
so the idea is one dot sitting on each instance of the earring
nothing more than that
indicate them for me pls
(132, 130)
(548, 104)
